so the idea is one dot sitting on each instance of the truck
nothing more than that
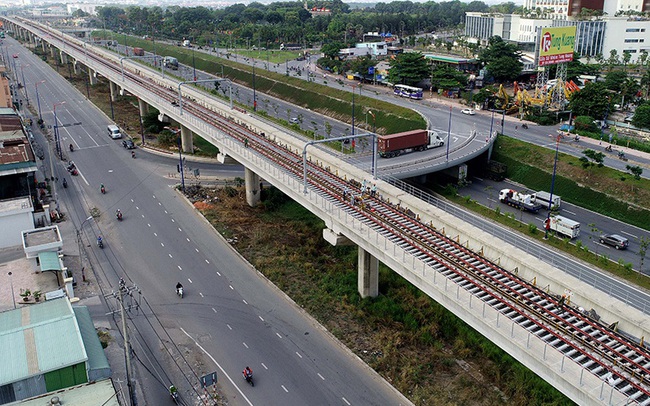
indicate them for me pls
(138, 51)
(170, 62)
(519, 200)
(542, 198)
(416, 140)
(563, 226)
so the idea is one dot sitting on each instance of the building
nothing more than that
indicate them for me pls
(46, 347)
(85, 7)
(5, 90)
(373, 49)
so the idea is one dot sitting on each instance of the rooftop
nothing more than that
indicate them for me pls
(41, 236)
(39, 338)
(91, 394)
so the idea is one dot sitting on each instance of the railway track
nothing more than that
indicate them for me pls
(621, 363)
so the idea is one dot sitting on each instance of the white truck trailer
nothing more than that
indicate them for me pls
(563, 226)
(542, 198)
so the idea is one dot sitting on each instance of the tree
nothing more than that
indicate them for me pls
(362, 64)
(592, 100)
(332, 50)
(636, 171)
(592, 157)
(444, 76)
(641, 118)
(501, 60)
(408, 68)
(614, 80)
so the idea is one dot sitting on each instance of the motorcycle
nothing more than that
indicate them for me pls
(622, 156)
(103, 190)
(133, 154)
(179, 292)
(71, 148)
(249, 379)
(173, 392)
(100, 243)
(72, 169)
(118, 215)
(65, 183)
(524, 126)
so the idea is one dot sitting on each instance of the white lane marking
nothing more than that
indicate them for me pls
(201, 294)
(278, 334)
(143, 216)
(162, 244)
(170, 255)
(265, 367)
(190, 280)
(179, 229)
(159, 204)
(245, 345)
(155, 234)
(285, 389)
(320, 376)
(173, 221)
(132, 201)
(196, 249)
(214, 310)
(217, 364)
(137, 207)
(218, 273)
(631, 235)
(83, 177)
(245, 302)
(188, 240)
(231, 287)
(179, 268)
(166, 212)
(206, 261)
(567, 211)
(298, 354)
(148, 225)
(346, 401)
(229, 326)
(154, 196)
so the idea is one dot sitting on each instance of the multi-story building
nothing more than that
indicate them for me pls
(5, 90)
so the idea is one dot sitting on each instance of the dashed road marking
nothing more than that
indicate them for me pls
(265, 367)
(137, 207)
(261, 318)
(148, 225)
(285, 389)
(173, 221)
(346, 401)
(218, 273)
(207, 262)
(162, 244)
(179, 229)
(245, 345)
(320, 376)
(214, 310)
(196, 249)
(190, 280)
(179, 268)
(631, 235)
(298, 354)
(170, 255)
(166, 212)
(229, 326)
(155, 234)
(278, 334)
(245, 302)
(201, 294)
(231, 287)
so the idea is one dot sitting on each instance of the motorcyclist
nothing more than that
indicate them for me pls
(102, 188)
(173, 391)
(100, 242)
(71, 147)
(65, 183)
(132, 154)
(178, 288)
(118, 214)
(248, 373)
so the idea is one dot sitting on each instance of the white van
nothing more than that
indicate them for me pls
(114, 131)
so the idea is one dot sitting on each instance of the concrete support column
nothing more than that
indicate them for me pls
(52, 51)
(186, 140)
(113, 88)
(91, 77)
(64, 58)
(368, 280)
(144, 110)
(252, 181)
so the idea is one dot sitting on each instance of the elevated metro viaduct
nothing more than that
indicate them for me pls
(341, 228)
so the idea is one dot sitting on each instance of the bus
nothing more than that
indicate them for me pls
(408, 91)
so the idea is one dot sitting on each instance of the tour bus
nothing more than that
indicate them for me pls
(408, 91)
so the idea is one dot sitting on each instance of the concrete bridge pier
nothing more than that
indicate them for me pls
(187, 142)
(142, 105)
(52, 51)
(92, 77)
(74, 67)
(368, 280)
(113, 88)
(64, 58)
(252, 181)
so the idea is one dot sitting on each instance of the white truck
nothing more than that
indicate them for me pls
(542, 198)
(519, 200)
(563, 226)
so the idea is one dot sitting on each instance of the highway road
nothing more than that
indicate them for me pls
(236, 316)
(592, 225)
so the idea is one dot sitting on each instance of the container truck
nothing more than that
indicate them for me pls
(563, 226)
(400, 143)
(138, 51)
(542, 198)
(519, 200)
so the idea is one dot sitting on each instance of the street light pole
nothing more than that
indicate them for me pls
(24, 83)
(353, 109)
(11, 281)
(547, 224)
(193, 63)
(254, 93)
(56, 131)
(38, 100)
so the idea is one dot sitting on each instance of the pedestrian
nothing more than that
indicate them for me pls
(245, 142)
(373, 190)
(345, 192)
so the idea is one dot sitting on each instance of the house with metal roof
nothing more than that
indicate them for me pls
(46, 347)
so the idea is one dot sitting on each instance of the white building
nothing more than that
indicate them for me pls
(85, 7)
(373, 49)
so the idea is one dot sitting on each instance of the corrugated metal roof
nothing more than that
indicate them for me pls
(97, 361)
(39, 338)
(49, 261)
(92, 394)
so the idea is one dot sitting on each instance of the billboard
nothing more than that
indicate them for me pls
(556, 45)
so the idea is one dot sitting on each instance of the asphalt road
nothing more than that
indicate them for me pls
(236, 316)
(592, 225)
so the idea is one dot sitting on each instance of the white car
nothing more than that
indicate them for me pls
(294, 120)
(470, 112)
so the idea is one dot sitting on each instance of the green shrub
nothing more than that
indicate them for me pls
(532, 228)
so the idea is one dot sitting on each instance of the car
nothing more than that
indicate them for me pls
(470, 112)
(294, 120)
(128, 144)
(15, 55)
(615, 240)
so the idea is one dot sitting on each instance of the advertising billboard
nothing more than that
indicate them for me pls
(556, 45)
